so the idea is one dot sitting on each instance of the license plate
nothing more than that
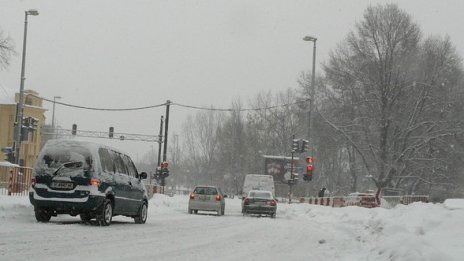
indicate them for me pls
(61, 185)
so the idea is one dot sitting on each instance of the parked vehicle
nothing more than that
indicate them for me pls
(87, 179)
(259, 202)
(258, 182)
(366, 200)
(207, 198)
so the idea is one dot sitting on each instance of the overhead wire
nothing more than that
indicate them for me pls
(171, 103)
(101, 109)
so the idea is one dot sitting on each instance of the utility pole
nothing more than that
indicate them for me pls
(168, 103)
(160, 136)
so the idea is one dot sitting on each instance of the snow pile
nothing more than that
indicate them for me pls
(420, 231)
(454, 203)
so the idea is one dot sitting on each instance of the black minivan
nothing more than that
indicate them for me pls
(87, 179)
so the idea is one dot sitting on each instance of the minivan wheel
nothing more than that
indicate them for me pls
(42, 215)
(141, 217)
(104, 219)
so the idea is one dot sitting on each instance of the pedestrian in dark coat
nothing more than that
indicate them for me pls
(321, 192)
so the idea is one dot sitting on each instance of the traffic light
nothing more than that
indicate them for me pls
(164, 169)
(309, 173)
(111, 133)
(8, 151)
(304, 145)
(27, 122)
(74, 129)
(34, 124)
(295, 145)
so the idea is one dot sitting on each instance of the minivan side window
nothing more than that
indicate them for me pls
(119, 163)
(105, 160)
(130, 166)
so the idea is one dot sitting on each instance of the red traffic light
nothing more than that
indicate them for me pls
(164, 165)
(309, 170)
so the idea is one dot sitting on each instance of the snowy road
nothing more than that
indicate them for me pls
(300, 232)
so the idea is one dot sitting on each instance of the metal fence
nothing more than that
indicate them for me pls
(14, 180)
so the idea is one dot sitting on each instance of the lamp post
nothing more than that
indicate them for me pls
(53, 113)
(311, 94)
(19, 111)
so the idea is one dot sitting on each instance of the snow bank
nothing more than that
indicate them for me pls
(419, 231)
(455, 203)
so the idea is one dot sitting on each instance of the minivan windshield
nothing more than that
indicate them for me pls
(64, 159)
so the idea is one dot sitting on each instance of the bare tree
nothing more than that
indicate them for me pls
(201, 145)
(6, 50)
(390, 90)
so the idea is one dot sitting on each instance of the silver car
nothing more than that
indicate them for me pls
(259, 202)
(207, 198)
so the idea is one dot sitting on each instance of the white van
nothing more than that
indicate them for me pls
(258, 182)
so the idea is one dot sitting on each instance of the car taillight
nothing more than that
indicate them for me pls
(94, 182)
(192, 195)
(246, 201)
(218, 197)
(272, 203)
(33, 181)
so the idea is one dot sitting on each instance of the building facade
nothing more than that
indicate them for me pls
(31, 137)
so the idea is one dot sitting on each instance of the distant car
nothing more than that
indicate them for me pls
(366, 200)
(207, 198)
(259, 202)
(87, 179)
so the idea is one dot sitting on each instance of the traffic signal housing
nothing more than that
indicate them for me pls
(9, 155)
(309, 173)
(164, 169)
(74, 129)
(111, 132)
(295, 145)
(304, 145)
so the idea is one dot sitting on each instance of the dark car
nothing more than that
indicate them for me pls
(87, 179)
(259, 202)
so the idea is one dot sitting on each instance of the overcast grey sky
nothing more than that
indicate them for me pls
(117, 54)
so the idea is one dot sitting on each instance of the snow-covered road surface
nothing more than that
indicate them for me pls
(299, 232)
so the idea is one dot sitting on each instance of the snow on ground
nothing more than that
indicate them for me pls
(299, 232)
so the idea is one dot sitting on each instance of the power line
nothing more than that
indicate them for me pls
(100, 109)
(173, 103)
(246, 109)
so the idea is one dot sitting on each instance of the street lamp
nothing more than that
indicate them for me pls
(19, 110)
(53, 113)
(311, 94)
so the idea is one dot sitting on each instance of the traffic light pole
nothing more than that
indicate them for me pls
(292, 178)
(291, 181)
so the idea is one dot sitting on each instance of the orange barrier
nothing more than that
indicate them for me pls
(367, 201)
(15, 180)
